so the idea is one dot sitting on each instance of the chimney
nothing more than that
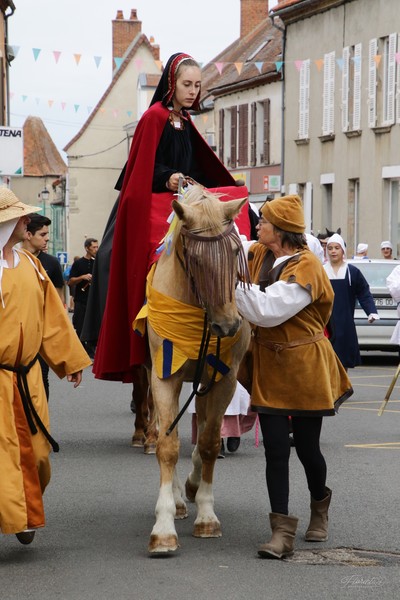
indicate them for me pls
(252, 13)
(124, 32)
(155, 48)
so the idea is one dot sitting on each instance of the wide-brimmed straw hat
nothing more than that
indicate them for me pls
(12, 208)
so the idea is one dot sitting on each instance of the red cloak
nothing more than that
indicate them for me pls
(140, 225)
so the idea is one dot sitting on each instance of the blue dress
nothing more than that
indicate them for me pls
(344, 339)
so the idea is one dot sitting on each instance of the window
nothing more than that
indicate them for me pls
(326, 205)
(328, 109)
(304, 100)
(382, 81)
(394, 213)
(233, 114)
(353, 212)
(221, 135)
(351, 88)
(243, 135)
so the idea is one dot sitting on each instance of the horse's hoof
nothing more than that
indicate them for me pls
(190, 490)
(137, 441)
(160, 545)
(181, 512)
(211, 529)
(149, 448)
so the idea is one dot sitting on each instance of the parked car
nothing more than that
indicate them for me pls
(376, 336)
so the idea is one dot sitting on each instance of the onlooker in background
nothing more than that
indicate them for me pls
(81, 277)
(393, 283)
(66, 275)
(362, 252)
(33, 320)
(36, 242)
(349, 285)
(387, 250)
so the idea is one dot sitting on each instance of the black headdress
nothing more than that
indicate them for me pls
(166, 87)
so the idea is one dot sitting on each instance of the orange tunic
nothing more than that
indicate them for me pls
(295, 369)
(33, 320)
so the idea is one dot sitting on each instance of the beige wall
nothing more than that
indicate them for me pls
(92, 178)
(344, 158)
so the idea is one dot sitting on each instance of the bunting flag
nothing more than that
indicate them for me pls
(97, 60)
(15, 49)
(118, 62)
(89, 109)
(36, 52)
(56, 55)
(278, 65)
(63, 105)
(319, 63)
(204, 118)
(24, 98)
(298, 64)
(129, 113)
(377, 59)
(397, 55)
(159, 64)
(50, 103)
(339, 62)
(259, 66)
(76, 107)
(219, 66)
(239, 67)
(77, 58)
(356, 60)
(138, 62)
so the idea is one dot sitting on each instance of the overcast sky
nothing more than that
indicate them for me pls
(61, 93)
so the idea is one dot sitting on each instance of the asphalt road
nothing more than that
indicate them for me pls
(100, 510)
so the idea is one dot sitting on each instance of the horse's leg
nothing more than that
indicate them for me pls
(209, 442)
(194, 478)
(180, 504)
(163, 537)
(139, 395)
(151, 432)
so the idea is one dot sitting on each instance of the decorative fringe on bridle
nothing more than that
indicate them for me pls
(210, 264)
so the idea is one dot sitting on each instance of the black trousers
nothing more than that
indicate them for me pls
(306, 435)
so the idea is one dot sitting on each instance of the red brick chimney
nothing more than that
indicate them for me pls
(124, 32)
(252, 13)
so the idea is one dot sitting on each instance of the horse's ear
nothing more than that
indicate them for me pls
(182, 211)
(232, 208)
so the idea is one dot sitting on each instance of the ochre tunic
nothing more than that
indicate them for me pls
(33, 320)
(295, 370)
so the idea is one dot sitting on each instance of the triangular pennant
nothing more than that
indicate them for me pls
(159, 64)
(356, 59)
(102, 110)
(77, 58)
(339, 62)
(319, 63)
(63, 105)
(299, 64)
(56, 55)
(50, 103)
(12, 94)
(76, 107)
(397, 55)
(239, 67)
(129, 113)
(115, 113)
(36, 52)
(89, 109)
(97, 60)
(278, 65)
(204, 118)
(24, 98)
(118, 61)
(219, 66)
(138, 63)
(259, 66)
(15, 49)
(377, 59)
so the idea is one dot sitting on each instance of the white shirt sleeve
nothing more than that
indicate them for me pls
(277, 304)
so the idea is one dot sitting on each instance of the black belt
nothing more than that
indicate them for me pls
(30, 411)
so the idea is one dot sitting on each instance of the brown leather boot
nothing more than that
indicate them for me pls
(318, 528)
(282, 541)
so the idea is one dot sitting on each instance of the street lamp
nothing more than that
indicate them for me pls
(44, 195)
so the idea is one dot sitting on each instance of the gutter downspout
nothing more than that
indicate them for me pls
(283, 31)
(6, 17)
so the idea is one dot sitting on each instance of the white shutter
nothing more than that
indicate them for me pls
(345, 88)
(398, 94)
(304, 100)
(391, 79)
(328, 109)
(372, 52)
(357, 87)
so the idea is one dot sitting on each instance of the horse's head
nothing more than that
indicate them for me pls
(213, 255)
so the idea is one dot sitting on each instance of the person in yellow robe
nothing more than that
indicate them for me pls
(32, 320)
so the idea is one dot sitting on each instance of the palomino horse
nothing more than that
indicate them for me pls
(195, 276)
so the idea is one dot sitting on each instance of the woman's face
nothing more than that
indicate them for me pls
(187, 87)
(335, 253)
(267, 234)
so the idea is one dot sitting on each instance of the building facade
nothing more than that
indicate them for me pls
(342, 115)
